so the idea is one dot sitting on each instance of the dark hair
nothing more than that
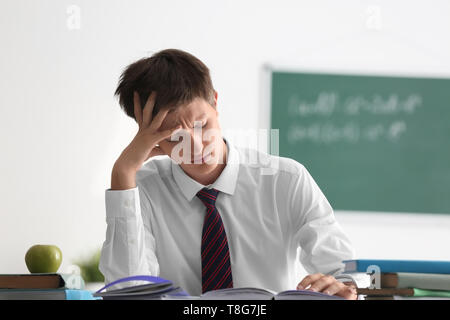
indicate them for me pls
(177, 76)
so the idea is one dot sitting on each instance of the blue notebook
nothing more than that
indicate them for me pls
(412, 266)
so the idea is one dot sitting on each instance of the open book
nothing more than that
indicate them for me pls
(262, 294)
(162, 289)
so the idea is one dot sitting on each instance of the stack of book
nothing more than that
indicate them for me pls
(403, 279)
(43, 286)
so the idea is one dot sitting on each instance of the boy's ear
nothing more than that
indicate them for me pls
(215, 102)
(215, 98)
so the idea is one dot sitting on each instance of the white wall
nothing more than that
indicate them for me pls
(61, 128)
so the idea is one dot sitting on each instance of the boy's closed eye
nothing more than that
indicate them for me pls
(179, 137)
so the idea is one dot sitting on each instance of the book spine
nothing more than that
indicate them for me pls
(386, 292)
(387, 266)
(431, 293)
(424, 281)
(389, 280)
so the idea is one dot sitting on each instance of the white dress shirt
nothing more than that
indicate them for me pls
(270, 207)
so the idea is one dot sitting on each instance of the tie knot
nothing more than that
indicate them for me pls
(208, 196)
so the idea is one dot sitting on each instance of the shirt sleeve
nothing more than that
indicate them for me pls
(323, 243)
(129, 247)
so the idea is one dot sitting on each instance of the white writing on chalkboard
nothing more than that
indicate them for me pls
(327, 118)
(324, 105)
(329, 103)
(350, 132)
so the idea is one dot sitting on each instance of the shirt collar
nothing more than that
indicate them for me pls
(226, 182)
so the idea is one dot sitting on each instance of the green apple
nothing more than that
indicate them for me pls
(42, 258)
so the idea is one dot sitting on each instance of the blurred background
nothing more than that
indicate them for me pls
(62, 129)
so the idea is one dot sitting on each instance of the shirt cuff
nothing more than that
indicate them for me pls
(345, 278)
(122, 203)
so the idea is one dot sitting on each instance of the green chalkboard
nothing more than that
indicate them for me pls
(372, 143)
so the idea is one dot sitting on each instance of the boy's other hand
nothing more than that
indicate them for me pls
(143, 146)
(327, 284)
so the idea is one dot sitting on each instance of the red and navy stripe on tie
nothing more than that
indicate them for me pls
(216, 265)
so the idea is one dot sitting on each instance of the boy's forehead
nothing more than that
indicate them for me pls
(196, 110)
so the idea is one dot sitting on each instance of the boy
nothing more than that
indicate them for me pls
(204, 215)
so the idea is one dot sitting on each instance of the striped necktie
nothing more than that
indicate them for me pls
(216, 266)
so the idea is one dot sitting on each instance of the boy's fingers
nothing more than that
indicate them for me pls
(161, 136)
(309, 280)
(322, 283)
(167, 133)
(159, 118)
(137, 108)
(148, 109)
(348, 292)
(334, 288)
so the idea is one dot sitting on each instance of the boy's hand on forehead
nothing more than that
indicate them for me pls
(144, 115)
(150, 126)
(145, 144)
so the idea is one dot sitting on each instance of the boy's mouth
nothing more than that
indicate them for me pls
(201, 159)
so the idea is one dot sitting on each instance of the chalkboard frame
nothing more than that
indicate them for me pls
(265, 116)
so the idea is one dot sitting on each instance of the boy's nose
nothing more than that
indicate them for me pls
(197, 146)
